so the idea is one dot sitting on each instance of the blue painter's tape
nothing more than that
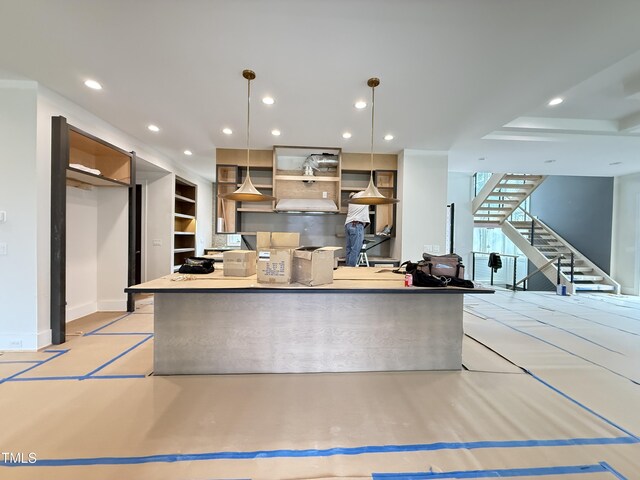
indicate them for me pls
(93, 332)
(584, 406)
(178, 457)
(42, 362)
(507, 472)
(613, 471)
(122, 333)
(116, 357)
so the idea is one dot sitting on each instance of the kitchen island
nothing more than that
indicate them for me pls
(366, 320)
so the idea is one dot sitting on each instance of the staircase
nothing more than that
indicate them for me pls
(501, 195)
(541, 244)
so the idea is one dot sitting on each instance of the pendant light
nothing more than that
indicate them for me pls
(247, 192)
(371, 195)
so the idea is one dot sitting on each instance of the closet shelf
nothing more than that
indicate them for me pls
(185, 199)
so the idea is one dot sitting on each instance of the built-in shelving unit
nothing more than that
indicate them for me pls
(95, 162)
(184, 231)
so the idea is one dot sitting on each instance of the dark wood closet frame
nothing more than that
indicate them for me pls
(59, 162)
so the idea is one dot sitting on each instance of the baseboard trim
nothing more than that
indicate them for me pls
(112, 305)
(79, 311)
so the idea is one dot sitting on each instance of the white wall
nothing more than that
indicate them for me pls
(625, 243)
(82, 252)
(158, 194)
(422, 211)
(113, 248)
(459, 192)
(19, 197)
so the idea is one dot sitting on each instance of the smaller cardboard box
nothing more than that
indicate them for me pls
(313, 266)
(274, 265)
(239, 263)
(275, 256)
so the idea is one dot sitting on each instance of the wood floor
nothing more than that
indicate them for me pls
(549, 389)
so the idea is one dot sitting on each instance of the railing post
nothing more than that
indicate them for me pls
(491, 276)
(533, 229)
(572, 259)
(515, 265)
(559, 266)
(473, 265)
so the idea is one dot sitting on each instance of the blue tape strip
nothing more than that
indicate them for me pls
(93, 332)
(583, 406)
(116, 357)
(42, 362)
(563, 349)
(325, 452)
(508, 472)
(77, 377)
(121, 333)
(613, 471)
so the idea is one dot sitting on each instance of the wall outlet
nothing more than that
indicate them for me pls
(436, 249)
(325, 195)
(15, 343)
(427, 248)
(157, 243)
(3, 248)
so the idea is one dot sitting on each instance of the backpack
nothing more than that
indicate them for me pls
(448, 265)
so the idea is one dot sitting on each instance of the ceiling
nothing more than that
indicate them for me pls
(471, 77)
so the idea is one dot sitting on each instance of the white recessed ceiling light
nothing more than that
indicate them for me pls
(481, 159)
(615, 163)
(388, 137)
(555, 101)
(360, 104)
(275, 132)
(549, 161)
(93, 84)
(188, 152)
(153, 128)
(346, 135)
(227, 131)
(268, 101)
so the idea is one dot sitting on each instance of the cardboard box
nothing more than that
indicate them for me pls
(275, 256)
(275, 265)
(239, 263)
(267, 240)
(314, 265)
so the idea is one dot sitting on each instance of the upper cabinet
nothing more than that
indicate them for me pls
(93, 161)
(307, 179)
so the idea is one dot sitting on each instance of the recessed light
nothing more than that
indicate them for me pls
(93, 84)
(549, 161)
(555, 101)
(227, 131)
(481, 159)
(360, 105)
(188, 152)
(388, 137)
(346, 135)
(154, 128)
(268, 101)
(275, 132)
(615, 163)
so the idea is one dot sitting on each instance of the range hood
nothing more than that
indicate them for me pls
(306, 205)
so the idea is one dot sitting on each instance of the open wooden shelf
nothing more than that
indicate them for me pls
(184, 225)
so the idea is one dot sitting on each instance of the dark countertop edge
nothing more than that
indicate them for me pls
(410, 290)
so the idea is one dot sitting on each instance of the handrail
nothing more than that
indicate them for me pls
(559, 257)
(501, 254)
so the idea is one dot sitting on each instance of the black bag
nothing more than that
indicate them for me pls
(420, 277)
(197, 265)
(449, 265)
(458, 282)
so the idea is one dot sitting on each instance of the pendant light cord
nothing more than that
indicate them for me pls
(248, 117)
(373, 108)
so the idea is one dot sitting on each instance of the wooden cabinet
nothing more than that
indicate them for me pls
(385, 215)
(226, 214)
(307, 173)
(95, 162)
(184, 221)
